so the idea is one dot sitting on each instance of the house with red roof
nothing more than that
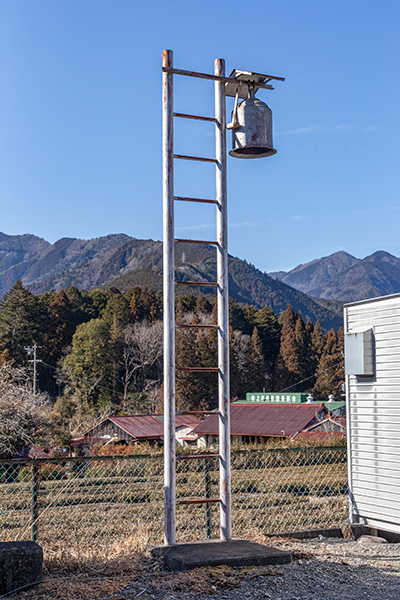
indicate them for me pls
(327, 428)
(136, 428)
(254, 423)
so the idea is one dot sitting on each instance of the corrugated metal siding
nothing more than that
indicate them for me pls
(374, 416)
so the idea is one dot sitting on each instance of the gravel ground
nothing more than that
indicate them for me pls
(328, 569)
(321, 569)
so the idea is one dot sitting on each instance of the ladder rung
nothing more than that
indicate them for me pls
(195, 117)
(194, 456)
(199, 369)
(180, 241)
(198, 283)
(198, 158)
(198, 325)
(199, 412)
(199, 501)
(202, 200)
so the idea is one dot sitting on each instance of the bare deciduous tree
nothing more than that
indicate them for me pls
(241, 346)
(23, 415)
(142, 356)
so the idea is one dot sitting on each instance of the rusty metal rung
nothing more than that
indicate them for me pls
(198, 158)
(198, 412)
(194, 456)
(198, 325)
(199, 501)
(199, 369)
(198, 283)
(202, 200)
(195, 117)
(182, 241)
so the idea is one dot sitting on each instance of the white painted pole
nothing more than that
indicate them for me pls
(223, 304)
(169, 301)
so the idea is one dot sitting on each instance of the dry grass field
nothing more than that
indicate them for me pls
(104, 500)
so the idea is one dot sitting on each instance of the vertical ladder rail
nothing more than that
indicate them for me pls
(169, 298)
(222, 303)
(169, 302)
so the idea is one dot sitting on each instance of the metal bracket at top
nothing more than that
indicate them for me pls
(255, 81)
(248, 79)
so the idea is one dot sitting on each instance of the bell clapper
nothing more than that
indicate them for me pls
(234, 124)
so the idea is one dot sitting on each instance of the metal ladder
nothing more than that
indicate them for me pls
(221, 286)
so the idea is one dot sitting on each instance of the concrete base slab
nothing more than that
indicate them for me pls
(235, 553)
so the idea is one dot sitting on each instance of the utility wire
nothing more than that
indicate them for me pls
(307, 378)
(98, 385)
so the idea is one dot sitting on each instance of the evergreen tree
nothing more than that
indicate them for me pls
(77, 304)
(207, 350)
(46, 299)
(87, 367)
(269, 330)
(60, 327)
(151, 304)
(21, 322)
(186, 303)
(256, 375)
(308, 359)
(189, 384)
(288, 364)
(117, 315)
(302, 350)
(203, 305)
(241, 318)
(145, 304)
(239, 359)
(318, 340)
(330, 371)
(136, 305)
(116, 312)
(94, 302)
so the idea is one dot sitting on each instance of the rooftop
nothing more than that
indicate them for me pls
(269, 420)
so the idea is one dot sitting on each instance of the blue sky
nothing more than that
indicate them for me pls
(80, 122)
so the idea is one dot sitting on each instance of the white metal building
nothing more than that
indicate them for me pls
(372, 364)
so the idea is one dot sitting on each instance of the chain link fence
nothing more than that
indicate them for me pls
(99, 500)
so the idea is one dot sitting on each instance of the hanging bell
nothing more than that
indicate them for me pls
(251, 129)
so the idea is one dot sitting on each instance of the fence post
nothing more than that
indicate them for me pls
(207, 485)
(35, 500)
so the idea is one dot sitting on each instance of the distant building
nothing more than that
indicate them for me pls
(31, 452)
(328, 427)
(336, 407)
(254, 422)
(136, 428)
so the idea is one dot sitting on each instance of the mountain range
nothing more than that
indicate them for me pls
(125, 262)
(316, 289)
(342, 277)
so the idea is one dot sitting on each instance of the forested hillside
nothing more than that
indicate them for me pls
(127, 262)
(100, 352)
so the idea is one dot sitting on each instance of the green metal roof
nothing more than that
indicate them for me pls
(335, 404)
(285, 398)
